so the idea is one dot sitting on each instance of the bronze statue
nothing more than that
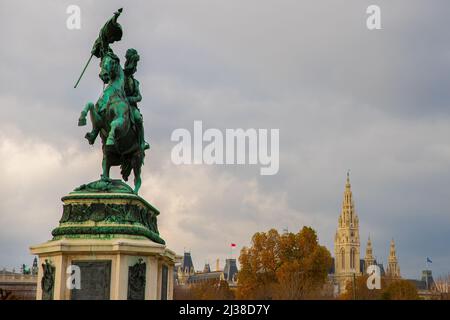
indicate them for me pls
(48, 280)
(133, 94)
(115, 116)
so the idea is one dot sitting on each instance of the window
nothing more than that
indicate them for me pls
(352, 258)
(343, 258)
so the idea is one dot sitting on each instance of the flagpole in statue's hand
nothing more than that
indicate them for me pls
(111, 32)
(81, 75)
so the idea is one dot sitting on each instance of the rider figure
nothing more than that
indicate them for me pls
(133, 95)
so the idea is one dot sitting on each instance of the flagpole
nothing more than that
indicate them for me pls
(82, 72)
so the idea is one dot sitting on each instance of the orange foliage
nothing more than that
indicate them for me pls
(391, 289)
(287, 266)
(207, 290)
(400, 290)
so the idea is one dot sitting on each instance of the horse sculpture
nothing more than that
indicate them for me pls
(111, 118)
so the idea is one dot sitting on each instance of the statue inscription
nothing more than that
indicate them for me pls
(95, 280)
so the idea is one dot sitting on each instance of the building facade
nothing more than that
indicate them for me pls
(186, 275)
(347, 242)
(347, 260)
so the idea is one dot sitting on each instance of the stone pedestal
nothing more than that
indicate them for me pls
(107, 246)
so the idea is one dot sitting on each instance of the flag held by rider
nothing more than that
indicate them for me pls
(109, 33)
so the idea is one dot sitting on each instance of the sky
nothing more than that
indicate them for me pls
(343, 97)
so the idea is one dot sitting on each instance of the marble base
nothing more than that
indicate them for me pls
(122, 254)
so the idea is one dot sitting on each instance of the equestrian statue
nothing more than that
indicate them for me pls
(115, 117)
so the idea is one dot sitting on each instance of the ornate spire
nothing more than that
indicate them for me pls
(346, 242)
(369, 259)
(392, 253)
(369, 247)
(393, 269)
(348, 217)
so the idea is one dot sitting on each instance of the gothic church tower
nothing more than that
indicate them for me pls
(346, 242)
(393, 269)
(369, 259)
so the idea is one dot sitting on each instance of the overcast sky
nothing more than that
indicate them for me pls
(343, 97)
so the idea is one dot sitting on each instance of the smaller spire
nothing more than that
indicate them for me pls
(369, 259)
(392, 252)
(347, 184)
(393, 267)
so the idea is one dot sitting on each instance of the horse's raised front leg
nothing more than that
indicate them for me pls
(95, 120)
(82, 120)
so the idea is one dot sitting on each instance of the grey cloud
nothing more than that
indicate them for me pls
(342, 97)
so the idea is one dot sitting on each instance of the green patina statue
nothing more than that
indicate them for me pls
(133, 94)
(115, 116)
(48, 280)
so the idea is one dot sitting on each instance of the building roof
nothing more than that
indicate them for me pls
(425, 283)
(380, 265)
(9, 273)
(230, 271)
(186, 263)
(420, 285)
(204, 276)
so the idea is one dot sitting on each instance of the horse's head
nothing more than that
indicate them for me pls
(110, 67)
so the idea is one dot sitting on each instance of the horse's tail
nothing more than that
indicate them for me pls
(133, 162)
(125, 169)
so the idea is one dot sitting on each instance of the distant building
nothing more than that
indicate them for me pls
(393, 269)
(185, 270)
(347, 261)
(369, 259)
(346, 242)
(425, 286)
(230, 271)
(19, 285)
(186, 275)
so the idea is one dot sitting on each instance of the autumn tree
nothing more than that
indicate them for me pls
(391, 289)
(358, 290)
(212, 290)
(287, 266)
(400, 290)
(441, 287)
